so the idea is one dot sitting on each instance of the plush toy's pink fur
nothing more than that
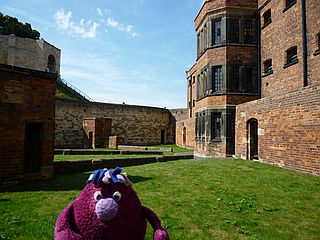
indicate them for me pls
(80, 221)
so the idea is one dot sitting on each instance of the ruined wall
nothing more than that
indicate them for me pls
(28, 53)
(288, 129)
(26, 97)
(133, 125)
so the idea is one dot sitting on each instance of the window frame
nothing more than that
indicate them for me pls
(317, 52)
(268, 21)
(291, 59)
(249, 30)
(216, 120)
(288, 4)
(233, 36)
(217, 83)
(214, 36)
(267, 68)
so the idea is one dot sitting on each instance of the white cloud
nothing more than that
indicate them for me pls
(110, 22)
(64, 22)
(99, 12)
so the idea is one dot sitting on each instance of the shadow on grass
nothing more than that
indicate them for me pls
(63, 182)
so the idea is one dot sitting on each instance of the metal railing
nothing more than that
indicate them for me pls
(75, 89)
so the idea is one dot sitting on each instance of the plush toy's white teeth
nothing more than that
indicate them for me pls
(106, 209)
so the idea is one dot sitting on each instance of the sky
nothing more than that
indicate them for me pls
(119, 51)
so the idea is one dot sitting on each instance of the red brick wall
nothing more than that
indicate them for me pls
(289, 129)
(313, 29)
(281, 34)
(26, 96)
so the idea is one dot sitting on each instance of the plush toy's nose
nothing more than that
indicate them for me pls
(106, 209)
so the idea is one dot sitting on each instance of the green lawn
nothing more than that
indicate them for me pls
(195, 199)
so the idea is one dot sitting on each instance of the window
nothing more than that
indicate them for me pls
(216, 126)
(266, 18)
(248, 80)
(217, 78)
(234, 78)
(198, 45)
(233, 30)
(267, 67)
(51, 67)
(291, 57)
(317, 52)
(289, 3)
(216, 32)
(248, 31)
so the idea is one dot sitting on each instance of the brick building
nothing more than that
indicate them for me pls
(225, 74)
(282, 126)
(28, 72)
(27, 123)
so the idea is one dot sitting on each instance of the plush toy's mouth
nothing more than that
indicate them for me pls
(106, 209)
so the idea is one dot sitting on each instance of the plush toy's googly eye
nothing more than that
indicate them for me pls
(97, 195)
(116, 196)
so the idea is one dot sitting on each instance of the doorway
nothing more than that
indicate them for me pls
(184, 137)
(252, 139)
(162, 136)
(32, 148)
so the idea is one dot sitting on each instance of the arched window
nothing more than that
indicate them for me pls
(51, 67)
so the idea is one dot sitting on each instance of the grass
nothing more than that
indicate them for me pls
(195, 199)
(175, 149)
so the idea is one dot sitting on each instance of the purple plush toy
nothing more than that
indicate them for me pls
(107, 208)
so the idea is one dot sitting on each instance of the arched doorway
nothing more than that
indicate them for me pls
(184, 136)
(252, 139)
(51, 63)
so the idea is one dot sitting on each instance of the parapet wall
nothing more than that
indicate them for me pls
(133, 125)
(28, 53)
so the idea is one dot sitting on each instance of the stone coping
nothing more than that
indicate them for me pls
(62, 167)
(105, 152)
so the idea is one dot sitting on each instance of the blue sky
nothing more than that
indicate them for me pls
(132, 51)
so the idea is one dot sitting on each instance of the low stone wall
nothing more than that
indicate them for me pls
(133, 125)
(90, 165)
(288, 129)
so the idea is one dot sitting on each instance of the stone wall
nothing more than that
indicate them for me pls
(27, 119)
(28, 53)
(288, 129)
(133, 125)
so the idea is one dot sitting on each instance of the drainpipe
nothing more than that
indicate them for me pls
(259, 53)
(304, 43)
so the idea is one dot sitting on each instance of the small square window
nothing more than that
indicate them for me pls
(267, 67)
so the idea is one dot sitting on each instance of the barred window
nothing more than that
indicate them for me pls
(267, 67)
(291, 56)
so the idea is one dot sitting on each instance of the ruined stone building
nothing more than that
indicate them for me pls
(254, 91)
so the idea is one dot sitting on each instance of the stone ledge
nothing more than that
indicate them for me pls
(93, 164)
